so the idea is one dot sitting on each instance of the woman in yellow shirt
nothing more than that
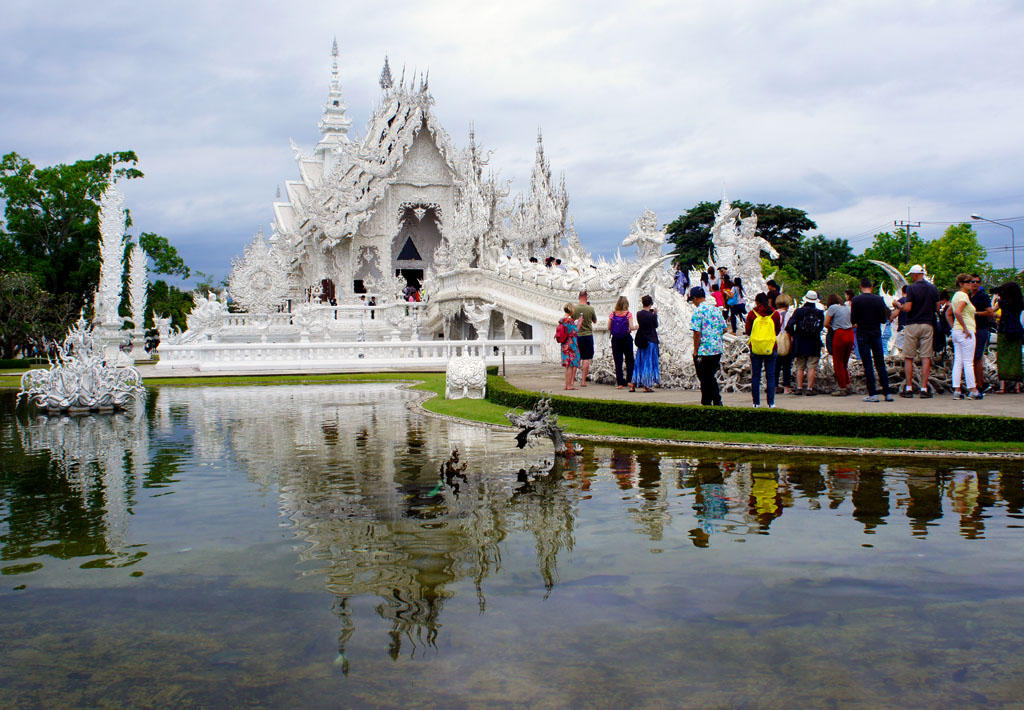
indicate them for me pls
(964, 330)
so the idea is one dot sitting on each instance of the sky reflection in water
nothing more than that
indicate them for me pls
(292, 545)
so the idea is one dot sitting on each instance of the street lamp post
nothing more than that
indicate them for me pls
(1013, 246)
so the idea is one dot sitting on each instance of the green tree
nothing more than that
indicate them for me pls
(836, 282)
(30, 315)
(891, 247)
(168, 301)
(956, 251)
(51, 219)
(165, 257)
(790, 281)
(783, 227)
(817, 256)
(51, 228)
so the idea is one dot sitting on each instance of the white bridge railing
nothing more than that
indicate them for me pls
(342, 356)
(326, 315)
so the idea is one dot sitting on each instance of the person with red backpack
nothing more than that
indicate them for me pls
(620, 325)
(762, 328)
(565, 335)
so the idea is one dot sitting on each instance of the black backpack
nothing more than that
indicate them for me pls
(810, 323)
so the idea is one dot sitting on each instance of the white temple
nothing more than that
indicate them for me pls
(404, 207)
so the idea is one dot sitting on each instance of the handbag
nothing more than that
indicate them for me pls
(782, 341)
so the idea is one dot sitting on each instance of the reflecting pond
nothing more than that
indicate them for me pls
(295, 546)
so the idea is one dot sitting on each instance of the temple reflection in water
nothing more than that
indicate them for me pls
(356, 474)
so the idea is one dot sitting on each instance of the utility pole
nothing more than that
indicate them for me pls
(907, 225)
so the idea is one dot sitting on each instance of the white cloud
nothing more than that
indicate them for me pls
(849, 110)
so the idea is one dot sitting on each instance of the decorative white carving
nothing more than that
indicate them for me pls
(112, 241)
(258, 282)
(81, 379)
(465, 377)
(138, 286)
(205, 319)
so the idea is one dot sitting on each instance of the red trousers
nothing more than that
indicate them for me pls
(842, 348)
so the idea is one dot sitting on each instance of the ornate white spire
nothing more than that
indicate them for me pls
(112, 225)
(335, 124)
(138, 285)
(386, 82)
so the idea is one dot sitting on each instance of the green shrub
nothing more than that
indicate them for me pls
(688, 417)
(26, 363)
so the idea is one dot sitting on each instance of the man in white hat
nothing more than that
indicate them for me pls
(921, 304)
(805, 329)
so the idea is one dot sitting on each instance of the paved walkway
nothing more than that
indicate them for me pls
(541, 378)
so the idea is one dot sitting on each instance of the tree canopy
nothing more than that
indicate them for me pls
(956, 251)
(49, 241)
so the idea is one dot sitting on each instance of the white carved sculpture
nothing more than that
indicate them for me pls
(138, 287)
(479, 316)
(465, 377)
(645, 235)
(206, 318)
(112, 239)
(258, 282)
(81, 379)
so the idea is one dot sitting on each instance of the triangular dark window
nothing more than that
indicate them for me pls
(409, 252)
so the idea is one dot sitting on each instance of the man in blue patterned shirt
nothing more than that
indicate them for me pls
(707, 325)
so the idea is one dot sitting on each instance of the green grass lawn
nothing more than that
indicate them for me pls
(488, 412)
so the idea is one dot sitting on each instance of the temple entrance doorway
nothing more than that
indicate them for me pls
(419, 235)
(413, 277)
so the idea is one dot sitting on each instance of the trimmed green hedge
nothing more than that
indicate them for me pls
(28, 362)
(492, 370)
(689, 417)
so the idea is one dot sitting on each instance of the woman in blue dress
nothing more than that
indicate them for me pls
(646, 370)
(570, 347)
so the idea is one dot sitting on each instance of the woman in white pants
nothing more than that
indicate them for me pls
(964, 331)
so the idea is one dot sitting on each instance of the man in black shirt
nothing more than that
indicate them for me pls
(918, 334)
(868, 313)
(984, 319)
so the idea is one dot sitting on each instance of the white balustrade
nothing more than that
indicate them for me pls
(429, 355)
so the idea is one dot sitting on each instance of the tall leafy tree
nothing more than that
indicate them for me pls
(783, 227)
(30, 315)
(891, 247)
(817, 256)
(51, 219)
(51, 227)
(956, 251)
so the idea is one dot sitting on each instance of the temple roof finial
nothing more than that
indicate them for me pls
(386, 81)
(334, 122)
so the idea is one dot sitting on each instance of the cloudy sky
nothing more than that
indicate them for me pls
(853, 111)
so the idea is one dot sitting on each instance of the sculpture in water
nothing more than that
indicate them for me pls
(541, 422)
(81, 379)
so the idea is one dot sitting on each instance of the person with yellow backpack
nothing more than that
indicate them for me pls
(763, 327)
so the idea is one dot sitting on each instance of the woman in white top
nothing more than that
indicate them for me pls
(964, 330)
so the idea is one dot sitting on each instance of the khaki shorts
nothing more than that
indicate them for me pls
(917, 340)
(810, 361)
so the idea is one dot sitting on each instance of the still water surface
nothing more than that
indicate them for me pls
(293, 546)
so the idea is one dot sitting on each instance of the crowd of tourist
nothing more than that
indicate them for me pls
(786, 343)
